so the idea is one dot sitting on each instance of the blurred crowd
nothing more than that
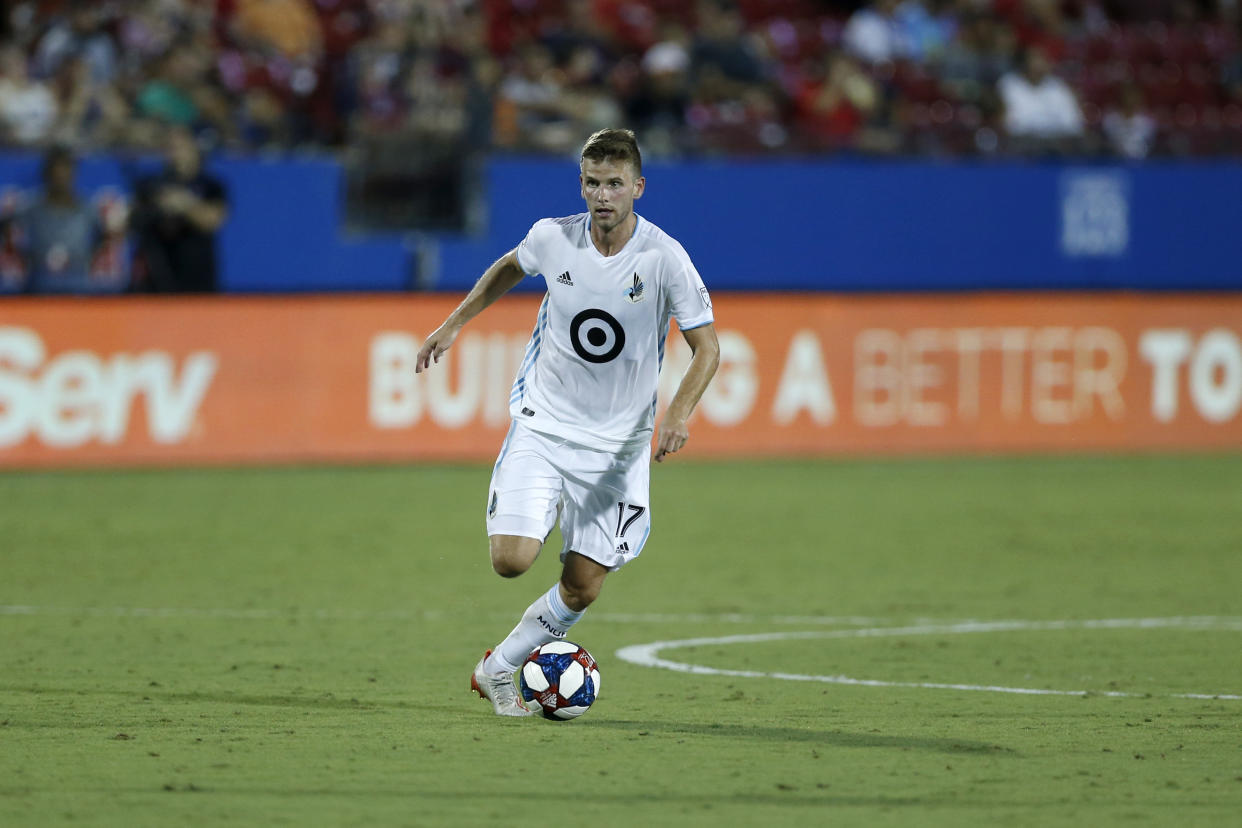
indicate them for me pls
(923, 77)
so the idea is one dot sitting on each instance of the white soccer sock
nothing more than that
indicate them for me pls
(548, 619)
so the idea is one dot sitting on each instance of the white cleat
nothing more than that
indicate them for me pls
(499, 690)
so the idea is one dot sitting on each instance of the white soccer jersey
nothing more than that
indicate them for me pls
(593, 361)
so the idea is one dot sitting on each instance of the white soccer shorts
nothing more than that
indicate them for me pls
(601, 495)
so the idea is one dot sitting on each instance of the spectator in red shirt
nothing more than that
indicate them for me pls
(833, 107)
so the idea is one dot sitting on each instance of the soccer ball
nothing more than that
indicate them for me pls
(561, 678)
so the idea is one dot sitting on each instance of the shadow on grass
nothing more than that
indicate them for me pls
(324, 701)
(640, 729)
(828, 738)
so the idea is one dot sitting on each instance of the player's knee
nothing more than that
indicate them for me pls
(511, 556)
(507, 567)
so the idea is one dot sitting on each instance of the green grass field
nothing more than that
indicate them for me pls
(293, 647)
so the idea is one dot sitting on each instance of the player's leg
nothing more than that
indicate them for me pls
(604, 498)
(589, 480)
(522, 509)
(581, 581)
(547, 619)
(523, 502)
(605, 522)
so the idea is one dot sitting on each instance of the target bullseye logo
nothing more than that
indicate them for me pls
(596, 336)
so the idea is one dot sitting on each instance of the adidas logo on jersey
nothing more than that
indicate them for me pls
(635, 291)
(623, 548)
(564, 279)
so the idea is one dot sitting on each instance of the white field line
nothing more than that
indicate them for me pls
(648, 655)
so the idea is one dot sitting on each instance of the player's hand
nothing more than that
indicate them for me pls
(673, 435)
(440, 340)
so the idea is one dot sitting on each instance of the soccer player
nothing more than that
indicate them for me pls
(584, 400)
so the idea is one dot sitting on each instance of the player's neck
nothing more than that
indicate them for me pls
(610, 242)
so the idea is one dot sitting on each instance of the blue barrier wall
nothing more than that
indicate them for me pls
(786, 225)
(284, 231)
(907, 226)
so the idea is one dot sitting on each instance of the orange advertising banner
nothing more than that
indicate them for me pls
(226, 380)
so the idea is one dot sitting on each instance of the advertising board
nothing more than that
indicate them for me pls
(252, 380)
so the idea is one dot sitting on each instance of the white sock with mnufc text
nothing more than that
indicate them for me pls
(548, 619)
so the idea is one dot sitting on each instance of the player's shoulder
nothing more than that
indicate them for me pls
(654, 238)
(567, 226)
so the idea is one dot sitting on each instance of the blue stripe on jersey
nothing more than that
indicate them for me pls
(519, 384)
(638, 550)
(532, 352)
(655, 398)
(700, 325)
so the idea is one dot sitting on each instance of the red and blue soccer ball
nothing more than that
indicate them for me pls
(561, 678)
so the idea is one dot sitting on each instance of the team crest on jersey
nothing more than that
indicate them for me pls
(636, 291)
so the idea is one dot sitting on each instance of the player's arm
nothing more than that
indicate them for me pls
(705, 348)
(495, 282)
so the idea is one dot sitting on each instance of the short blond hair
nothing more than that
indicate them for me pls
(614, 145)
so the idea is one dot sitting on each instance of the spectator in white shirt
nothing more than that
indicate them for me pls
(1130, 128)
(1041, 111)
(28, 108)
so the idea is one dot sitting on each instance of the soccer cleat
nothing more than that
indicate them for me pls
(499, 690)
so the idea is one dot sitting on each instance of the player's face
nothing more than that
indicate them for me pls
(609, 189)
